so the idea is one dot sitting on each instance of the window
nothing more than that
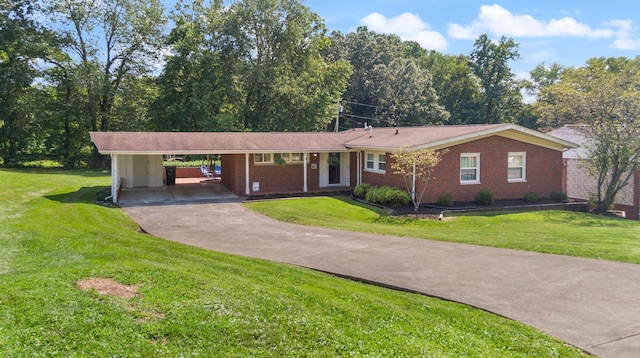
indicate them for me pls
(517, 167)
(376, 162)
(270, 158)
(382, 162)
(284, 156)
(370, 161)
(262, 158)
(470, 168)
(296, 157)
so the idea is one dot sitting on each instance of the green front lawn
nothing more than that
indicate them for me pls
(556, 232)
(194, 302)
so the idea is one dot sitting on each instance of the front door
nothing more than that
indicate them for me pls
(334, 169)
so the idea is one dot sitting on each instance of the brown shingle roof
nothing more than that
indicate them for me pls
(218, 142)
(255, 142)
(392, 138)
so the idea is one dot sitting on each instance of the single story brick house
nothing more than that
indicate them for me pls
(580, 185)
(508, 159)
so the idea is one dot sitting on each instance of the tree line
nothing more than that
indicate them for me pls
(73, 66)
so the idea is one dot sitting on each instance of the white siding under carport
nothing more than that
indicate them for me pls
(129, 171)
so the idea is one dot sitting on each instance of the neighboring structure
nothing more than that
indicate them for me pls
(508, 159)
(580, 185)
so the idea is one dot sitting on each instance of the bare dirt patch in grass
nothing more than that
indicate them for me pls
(108, 286)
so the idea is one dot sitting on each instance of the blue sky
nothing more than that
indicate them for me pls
(566, 32)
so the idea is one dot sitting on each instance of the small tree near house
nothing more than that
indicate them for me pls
(416, 166)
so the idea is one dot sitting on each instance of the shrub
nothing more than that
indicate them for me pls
(484, 197)
(531, 197)
(386, 195)
(361, 190)
(445, 199)
(558, 196)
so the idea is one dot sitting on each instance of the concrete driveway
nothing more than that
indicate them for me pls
(592, 304)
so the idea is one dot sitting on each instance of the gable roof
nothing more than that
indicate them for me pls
(438, 137)
(575, 133)
(384, 139)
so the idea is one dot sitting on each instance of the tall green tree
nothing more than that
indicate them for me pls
(275, 48)
(198, 89)
(458, 90)
(113, 41)
(387, 86)
(62, 112)
(543, 76)
(254, 65)
(501, 97)
(603, 97)
(23, 43)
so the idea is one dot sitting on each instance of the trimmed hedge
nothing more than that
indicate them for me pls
(361, 190)
(386, 195)
(445, 199)
(484, 197)
(558, 196)
(531, 197)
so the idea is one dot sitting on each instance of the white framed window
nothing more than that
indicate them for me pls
(517, 167)
(263, 158)
(375, 162)
(270, 158)
(470, 168)
(284, 156)
(297, 157)
(382, 162)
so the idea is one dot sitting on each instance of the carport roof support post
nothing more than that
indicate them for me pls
(115, 178)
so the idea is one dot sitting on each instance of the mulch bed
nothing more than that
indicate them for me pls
(433, 211)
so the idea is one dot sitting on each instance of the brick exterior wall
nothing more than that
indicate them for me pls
(276, 179)
(232, 176)
(580, 184)
(188, 172)
(543, 171)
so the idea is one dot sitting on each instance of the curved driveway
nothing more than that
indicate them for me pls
(592, 304)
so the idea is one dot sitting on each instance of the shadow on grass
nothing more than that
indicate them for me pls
(88, 195)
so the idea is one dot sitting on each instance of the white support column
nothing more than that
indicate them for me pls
(246, 173)
(115, 178)
(304, 165)
(359, 170)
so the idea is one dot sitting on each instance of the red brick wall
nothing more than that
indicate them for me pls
(232, 176)
(188, 173)
(543, 171)
(273, 178)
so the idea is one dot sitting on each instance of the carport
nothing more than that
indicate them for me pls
(137, 171)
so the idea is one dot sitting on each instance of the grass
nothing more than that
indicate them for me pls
(194, 302)
(556, 232)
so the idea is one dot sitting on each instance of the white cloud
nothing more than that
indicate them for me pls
(498, 21)
(626, 44)
(409, 27)
(624, 35)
